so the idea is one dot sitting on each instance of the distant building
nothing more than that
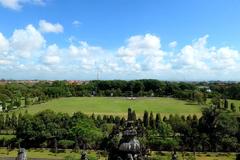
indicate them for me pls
(206, 88)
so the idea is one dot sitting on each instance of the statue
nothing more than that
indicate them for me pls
(129, 147)
(22, 154)
(174, 155)
(84, 156)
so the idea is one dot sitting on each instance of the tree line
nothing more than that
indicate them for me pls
(216, 130)
(14, 95)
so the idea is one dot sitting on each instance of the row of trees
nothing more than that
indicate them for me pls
(216, 130)
(13, 95)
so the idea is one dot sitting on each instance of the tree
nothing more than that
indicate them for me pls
(66, 143)
(151, 121)
(2, 123)
(225, 104)
(87, 133)
(7, 121)
(129, 114)
(165, 119)
(99, 118)
(111, 119)
(27, 101)
(19, 117)
(183, 117)
(145, 119)
(122, 122)
(217, 123)
(158, 120)
(233, 107)
(198, 96)
(166, 140)
(134, 117)
(117, 120)
(93, 117)
(216, 101)
(14, 120)
(18, 102)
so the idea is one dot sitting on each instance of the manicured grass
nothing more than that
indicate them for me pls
(199, 156)
(44, 153)
(117, 105)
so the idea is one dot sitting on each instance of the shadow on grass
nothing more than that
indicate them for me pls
(191, 103)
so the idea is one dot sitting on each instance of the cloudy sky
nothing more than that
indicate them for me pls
(120, 39)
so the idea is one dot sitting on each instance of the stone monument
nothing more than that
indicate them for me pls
(22, 154)
(84, 156)
(174, 155)
(129, 147)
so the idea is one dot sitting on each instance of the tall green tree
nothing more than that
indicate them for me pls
(158, 120)
(14, 120)
(225, 103)
(134, 116)
(129, 118)
(87, 133)
(217, 123)
(233, 107)
(152, 121)
(145, 119)
(2, 122)
(7, 121)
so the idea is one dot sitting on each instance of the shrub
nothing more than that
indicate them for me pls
(66, 143)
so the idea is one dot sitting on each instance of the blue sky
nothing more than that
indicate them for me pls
(120, 39)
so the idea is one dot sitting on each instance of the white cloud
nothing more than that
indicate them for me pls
(26, 41)
(4, 44)
(173, 44)
(5, 62)
(143, 53)
(12, 4)
(136, 45)
(27, 52)
(52, 56)
(18, 4)
(204, 62)
(87, 56)
(47, 27)
(84, 49)
(225, 58)
(76, 23)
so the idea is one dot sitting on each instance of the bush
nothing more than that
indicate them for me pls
(238, 157)
(66, 143)
(70, 158)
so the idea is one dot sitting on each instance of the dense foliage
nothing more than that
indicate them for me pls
(216, 130)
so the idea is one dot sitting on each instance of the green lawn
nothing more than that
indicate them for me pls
(44, 153)
(199, 156)
(117, 105)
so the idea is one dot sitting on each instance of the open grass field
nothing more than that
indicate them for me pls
(46, 154)
(199, 156)
(117, 106)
